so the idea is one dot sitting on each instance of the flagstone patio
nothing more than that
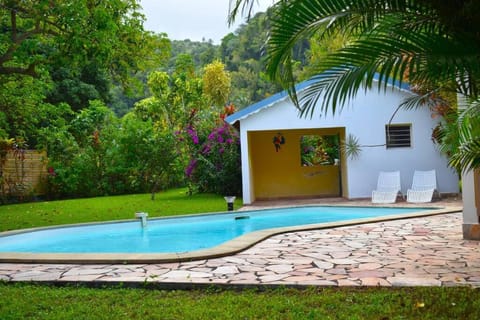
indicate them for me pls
(426, 251)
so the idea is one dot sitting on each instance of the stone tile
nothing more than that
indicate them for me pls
(336, 271)
(347, 283)
(272, 278)
(316, 255)
(13, 266)
(300, 279)
(371, 274)
(343, 261)
(83, 278)
(86, 271)
(354, 244)
(297, 261)
(396, 265)
(433, 261)
(374, 282)
(226, 270)
(257, 261)
(127, 279)
(369, 266)
(341, 254)
(185, 274)
(36, 276)
(128, 266)
(130, 274)
(437, 270)
(241, 281)
(313, 270)
(173, 265)
(156, 272)
(234, 260)
(452, 278)
(202, 269)
(413, 282)
(282, 268)
(250, 268)
(323, 264)
(299, 273)
(128, 270)
(335, 277)
(219, 281)
(244, 276)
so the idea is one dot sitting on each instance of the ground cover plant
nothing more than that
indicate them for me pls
(35, 301)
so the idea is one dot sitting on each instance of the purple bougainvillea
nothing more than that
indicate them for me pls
(193, 134)
(215, 165)
(191, 166)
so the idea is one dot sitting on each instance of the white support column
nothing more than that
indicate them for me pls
(471, 204)
(246, 174)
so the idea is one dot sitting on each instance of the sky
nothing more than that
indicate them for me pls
(196, 20)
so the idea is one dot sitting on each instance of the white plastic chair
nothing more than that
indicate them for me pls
(423, 186)
(388, 187)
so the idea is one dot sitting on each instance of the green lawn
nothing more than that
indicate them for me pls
(168, 203)
(26, 301)
(33, 301)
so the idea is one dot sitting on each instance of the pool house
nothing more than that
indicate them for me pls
(287, 156)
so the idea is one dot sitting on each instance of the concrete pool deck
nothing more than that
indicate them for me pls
(424, 251)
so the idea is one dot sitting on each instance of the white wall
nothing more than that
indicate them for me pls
(469, 205)
(367, 123)
(365, 118)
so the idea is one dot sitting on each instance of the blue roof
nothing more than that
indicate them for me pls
(256, 107)
(242, 113)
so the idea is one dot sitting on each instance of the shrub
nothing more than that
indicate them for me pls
(216, 164)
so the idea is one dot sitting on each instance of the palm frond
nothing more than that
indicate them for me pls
(398, 39)
(467, 156)
(239, 7)
(429, 99)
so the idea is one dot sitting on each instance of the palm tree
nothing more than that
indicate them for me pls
(435, 45)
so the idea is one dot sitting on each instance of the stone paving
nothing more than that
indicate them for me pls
(427, 251)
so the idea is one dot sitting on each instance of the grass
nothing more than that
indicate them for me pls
(168, 203)
(34, 301)
(27, 301)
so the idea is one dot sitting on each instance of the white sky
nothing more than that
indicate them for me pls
(192, 19)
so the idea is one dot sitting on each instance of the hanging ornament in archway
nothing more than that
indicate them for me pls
(278, 140)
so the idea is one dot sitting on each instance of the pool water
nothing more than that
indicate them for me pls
(179, 234)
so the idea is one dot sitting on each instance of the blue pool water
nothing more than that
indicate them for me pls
(179, 234)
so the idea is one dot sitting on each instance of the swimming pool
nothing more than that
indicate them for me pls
(183, 237)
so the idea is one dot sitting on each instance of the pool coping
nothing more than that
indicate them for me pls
(226, 249)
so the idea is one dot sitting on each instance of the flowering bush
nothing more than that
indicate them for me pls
(215, 165)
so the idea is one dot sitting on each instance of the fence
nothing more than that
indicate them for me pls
(23, 173)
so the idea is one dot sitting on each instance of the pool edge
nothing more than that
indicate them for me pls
(228, 248)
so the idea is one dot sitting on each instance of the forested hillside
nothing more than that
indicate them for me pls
(119, 109)
(244, 55)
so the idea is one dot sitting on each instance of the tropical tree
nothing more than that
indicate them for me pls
(39, 33)
(54, 53)
(435, 45)
(174, 96)
(216, 83)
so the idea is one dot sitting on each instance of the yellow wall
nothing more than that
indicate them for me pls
(280, 174)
